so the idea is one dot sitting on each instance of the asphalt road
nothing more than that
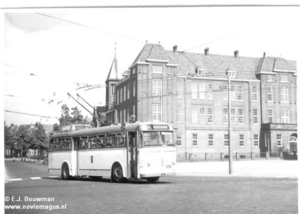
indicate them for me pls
(176, 194)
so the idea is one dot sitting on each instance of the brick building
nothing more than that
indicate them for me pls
(190, 91)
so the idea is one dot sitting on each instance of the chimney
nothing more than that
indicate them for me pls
(206, 50)
(264, 54)
(175, 48)
(236, 54)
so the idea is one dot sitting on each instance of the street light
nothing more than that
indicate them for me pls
(230, 74)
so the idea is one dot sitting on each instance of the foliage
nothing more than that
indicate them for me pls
(68, 118)
(25, 137)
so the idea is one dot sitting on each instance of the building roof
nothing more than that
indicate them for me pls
(215, 65)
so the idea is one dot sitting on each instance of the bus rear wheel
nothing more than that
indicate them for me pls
(65, 174)
(117, 173)
(153, 179)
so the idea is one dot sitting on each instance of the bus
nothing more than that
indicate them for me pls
(140, 150)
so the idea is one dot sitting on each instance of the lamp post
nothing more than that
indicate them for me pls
(229, 74)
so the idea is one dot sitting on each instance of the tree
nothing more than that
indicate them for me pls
(68, 118)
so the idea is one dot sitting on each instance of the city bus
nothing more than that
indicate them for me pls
(140, 150)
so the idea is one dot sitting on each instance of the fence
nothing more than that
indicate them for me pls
(182, 157)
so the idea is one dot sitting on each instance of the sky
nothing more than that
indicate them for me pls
(51, 52)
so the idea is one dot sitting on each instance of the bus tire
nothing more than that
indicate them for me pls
(117, 173)
(153, 179)
(65, 173)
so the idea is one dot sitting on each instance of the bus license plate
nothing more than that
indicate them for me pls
(169, 166)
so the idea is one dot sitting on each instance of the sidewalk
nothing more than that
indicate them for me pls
(254, 168)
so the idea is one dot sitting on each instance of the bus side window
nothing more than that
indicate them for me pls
(109, 141)
(82, 144)
(76, 141)
(114, 141)
(121, 141)
(93, 142)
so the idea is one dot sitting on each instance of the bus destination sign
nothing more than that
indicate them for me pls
(158, 127)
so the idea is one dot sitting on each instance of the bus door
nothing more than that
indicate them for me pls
(75, 156)
(132, 155)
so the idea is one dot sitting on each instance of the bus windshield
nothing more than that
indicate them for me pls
(157, 139)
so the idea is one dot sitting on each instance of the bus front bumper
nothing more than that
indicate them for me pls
(157, 175)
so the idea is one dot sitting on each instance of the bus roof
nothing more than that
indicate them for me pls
(109, 129)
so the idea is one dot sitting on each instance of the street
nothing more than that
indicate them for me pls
(174, 194)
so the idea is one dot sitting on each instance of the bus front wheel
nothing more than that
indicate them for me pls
(117, 173)
(153, 179)
(65, 174)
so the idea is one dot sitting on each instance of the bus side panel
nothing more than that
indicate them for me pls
(99, 162)
(74, 163)
(56, 160)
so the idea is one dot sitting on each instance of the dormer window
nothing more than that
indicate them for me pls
(283, 78)
(157, 69)
(270, 78)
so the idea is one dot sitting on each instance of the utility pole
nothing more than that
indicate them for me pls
(229, 74)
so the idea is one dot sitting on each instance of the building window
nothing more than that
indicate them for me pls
(270, 78)
(121, 95)
(124, 115)
(242, 140)
(128, 91)
(232, 92)
(133, 111)
(194, 114)
(256, 140)
(278, 140)
(226, 140)
(209, 115)
(201, 115)
(254, 93)
(283, 78)
(121, 116)
(225, 115)
(179, 114)
(239, 92)
(157, 69)
(284, 94)
(241, 116)
(270, 115)
(179, 140)
(266, 140)
(112, 89)
(143, 69)
(285, 116)
(202, 91)
(125, 91)
(209, 94)
(133, 71)
(195, 139)
(133, 88)
(233, 116)
(255, 116)
(236, 92)
(210, 140)
(269, 93)
(118, 101)
(156, 113)
(157, 87)
(179, 89)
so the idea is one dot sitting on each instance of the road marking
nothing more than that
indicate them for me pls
(35, 178)
(53, 176)
(16, 179)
